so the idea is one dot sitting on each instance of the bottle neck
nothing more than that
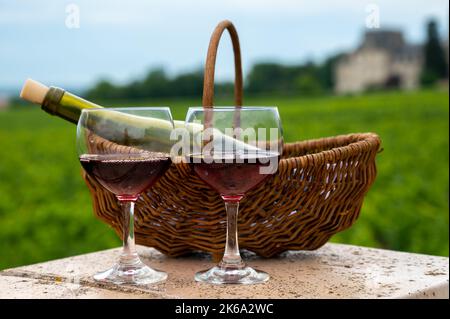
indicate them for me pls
(65, 105)
(52, 100)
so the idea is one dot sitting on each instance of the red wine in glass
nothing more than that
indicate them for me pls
(126, 157)
(232, 175)
(126, 175)
(235, 150)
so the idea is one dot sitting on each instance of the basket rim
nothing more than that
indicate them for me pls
(357, 143)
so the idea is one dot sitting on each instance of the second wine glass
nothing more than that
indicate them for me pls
(234, 149)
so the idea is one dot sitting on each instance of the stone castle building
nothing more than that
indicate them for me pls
(383, 60)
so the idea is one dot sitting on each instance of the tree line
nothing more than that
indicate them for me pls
(309, 79)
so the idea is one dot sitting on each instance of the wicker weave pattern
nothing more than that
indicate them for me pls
(317, 192)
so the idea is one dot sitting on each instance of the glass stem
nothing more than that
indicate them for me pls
(129, 255)
(232, 257)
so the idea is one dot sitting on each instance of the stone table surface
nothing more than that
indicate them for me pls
(333, 271)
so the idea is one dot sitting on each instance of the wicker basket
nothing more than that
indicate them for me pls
(317, 192)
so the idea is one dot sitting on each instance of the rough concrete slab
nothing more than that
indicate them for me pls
(333, 271)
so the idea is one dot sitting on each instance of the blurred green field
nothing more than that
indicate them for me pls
(46, 213)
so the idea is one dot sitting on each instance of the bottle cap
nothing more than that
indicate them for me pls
(34, 91)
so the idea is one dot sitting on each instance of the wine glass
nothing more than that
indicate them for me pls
(126, 150)
(233, 149)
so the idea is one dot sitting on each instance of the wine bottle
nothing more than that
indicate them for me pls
(68, 106)
(57, 101)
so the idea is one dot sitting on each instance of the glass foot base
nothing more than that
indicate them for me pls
(131, 274)
(220, 276)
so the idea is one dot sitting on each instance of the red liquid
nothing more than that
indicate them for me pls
(233, 175)
(126, 175)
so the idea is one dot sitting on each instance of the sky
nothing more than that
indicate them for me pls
(121, 40)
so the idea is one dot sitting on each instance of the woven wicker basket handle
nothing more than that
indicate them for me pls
(208, 81)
